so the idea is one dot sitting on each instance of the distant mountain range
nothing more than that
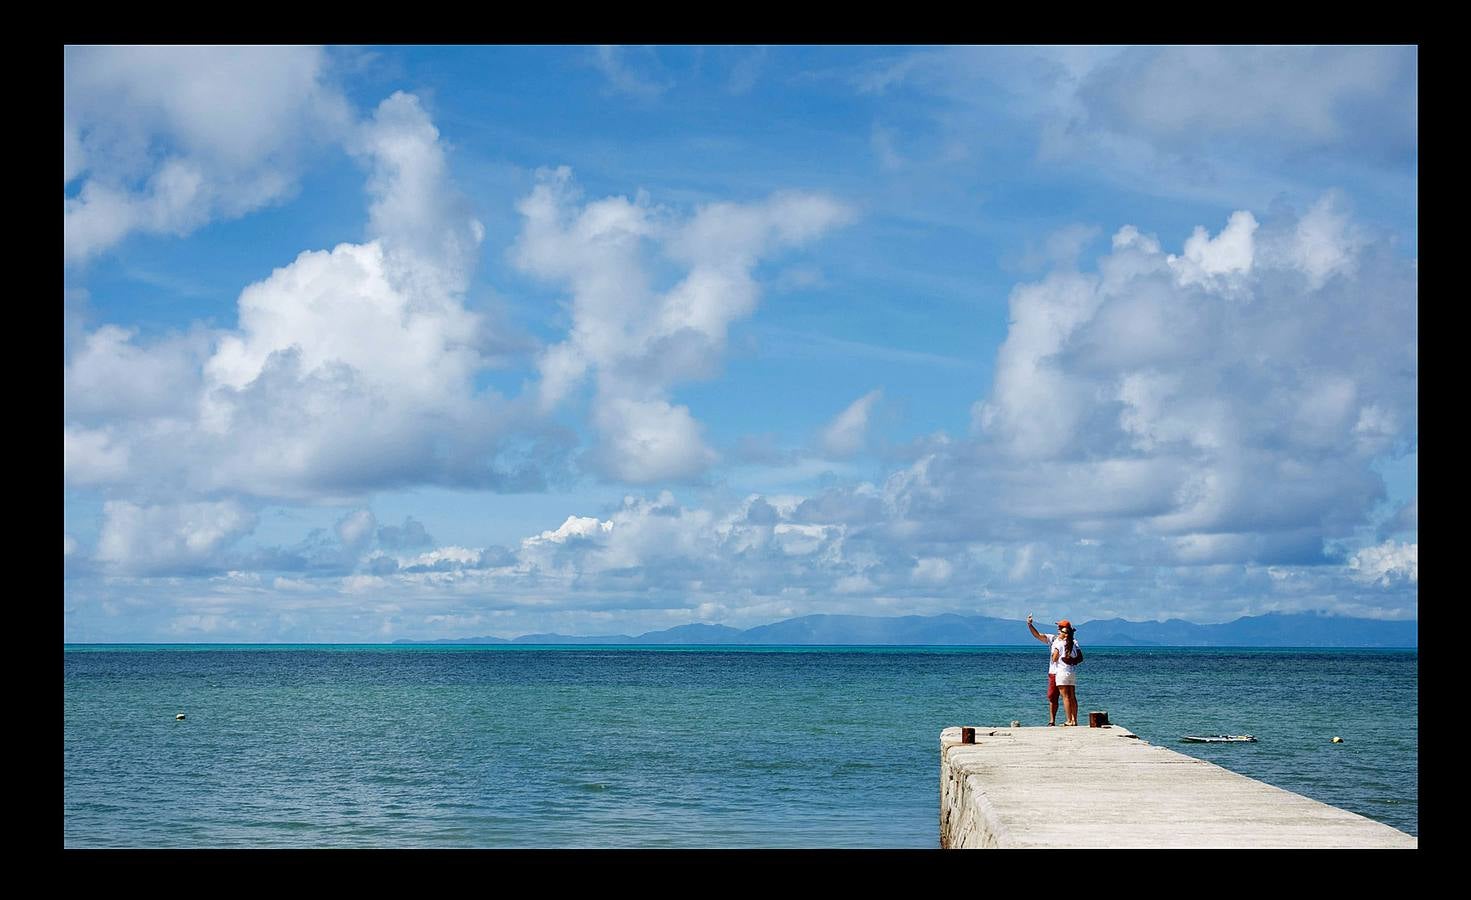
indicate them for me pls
(949, 630)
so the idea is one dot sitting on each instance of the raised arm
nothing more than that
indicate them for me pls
(1033, 628)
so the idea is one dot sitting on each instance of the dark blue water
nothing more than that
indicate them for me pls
(578, 747)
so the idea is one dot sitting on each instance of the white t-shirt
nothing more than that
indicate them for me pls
(1053, 641)
(1060, 667)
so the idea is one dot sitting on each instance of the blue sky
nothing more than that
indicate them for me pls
(414, 342)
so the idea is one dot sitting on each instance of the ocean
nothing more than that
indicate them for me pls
(412, 746)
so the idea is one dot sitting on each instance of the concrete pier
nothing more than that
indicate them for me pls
(1104, 787)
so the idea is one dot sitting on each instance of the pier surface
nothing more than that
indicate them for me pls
(1104, 787)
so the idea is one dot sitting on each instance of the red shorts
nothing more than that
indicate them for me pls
(1052, 691)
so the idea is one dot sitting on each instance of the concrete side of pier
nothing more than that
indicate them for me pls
(1104, 787)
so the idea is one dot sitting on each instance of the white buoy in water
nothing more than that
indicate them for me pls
(1337, 740)
(179, 717)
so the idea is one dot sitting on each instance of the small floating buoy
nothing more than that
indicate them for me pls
(179, 717)
(1337, 740)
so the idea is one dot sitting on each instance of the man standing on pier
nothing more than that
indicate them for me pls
(1052, 692)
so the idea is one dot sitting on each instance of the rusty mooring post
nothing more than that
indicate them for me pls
(967, 735)
(1097, 719)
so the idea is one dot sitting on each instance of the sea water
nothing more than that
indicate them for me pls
(579, 747)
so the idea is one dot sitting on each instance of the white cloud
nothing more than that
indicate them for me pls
(932, 570)
(575, 526)
(1231, 415)
(800, 540)
(652, 562)
(349, 369)
(173, 537)
(1325, 242)
(341, 308)
(429, 236)
(649, 440)
(112, 376)
(1386, 563)
(165, 139)
(846, 434)
(442, 559)
(1208, 259)
(356, 527)
(635, 340)
(92, 456)
(1034, 409)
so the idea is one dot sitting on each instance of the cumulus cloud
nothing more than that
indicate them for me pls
(424, 225)
(1325, 241)
(1386, 563)
(113, 376)
(846, 434)
(349, 369)
(169, 537)
(387, 310)
(653, 562)
(933, 570)
(1214, 259)
(574, 527)
(92, 456)
(635, 340)
(356, 527)
(1225, 390)
(164, 139)
(648, 440)
(441, 559)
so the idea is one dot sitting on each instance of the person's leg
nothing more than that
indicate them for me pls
(1052, 695)
(1070, 699)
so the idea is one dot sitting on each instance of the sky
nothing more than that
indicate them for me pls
(376, 343)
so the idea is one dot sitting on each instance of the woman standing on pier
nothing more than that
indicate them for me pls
(1066, 654)
(1051, 641)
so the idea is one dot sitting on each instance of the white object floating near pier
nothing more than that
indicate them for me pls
(1053, 788)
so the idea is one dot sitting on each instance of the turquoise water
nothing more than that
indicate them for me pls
(373, 746)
